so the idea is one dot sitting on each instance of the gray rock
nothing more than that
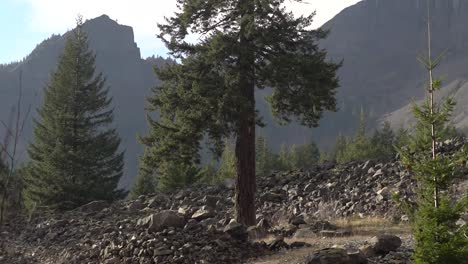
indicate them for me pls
(236, 231)
(329, 256)
(94, 206)
(297, 220)
(383, 244)
(161, 220)
(277, 244)
(203, 213)
(256, 232)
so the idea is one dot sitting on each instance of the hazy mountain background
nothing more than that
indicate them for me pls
(378, 40)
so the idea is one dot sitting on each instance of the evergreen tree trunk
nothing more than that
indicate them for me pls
(245, 142)
(431, 106)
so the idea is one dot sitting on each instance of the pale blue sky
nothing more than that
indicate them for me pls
(25, 23)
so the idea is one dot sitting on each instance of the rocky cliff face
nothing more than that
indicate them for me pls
(379, 41)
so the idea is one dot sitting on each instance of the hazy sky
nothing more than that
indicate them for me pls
(25, 23)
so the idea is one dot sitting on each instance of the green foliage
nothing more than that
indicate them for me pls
(172, 176)
(383, 143)
(145, 184)
(304, 156)
(362, 147)
(297, 157)
(402, 138)
(11, 186)
(209, 174)
(74, 157)
(437, 237)
(265, 159)
(359, 148)
(284, 159)
(338, 149)
(227, 168)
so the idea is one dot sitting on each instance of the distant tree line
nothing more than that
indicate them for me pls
(382, 144)
(174, 176)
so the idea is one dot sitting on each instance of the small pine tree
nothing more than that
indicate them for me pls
(74, 157)
(383, 142)
(209, 173)
(145, 183)
(360, 147)
(304, 156)
(402, 138)
(437, 237)
(227, 168)
(284, 158)
(264, 157)
(172, 176)
(339, 148)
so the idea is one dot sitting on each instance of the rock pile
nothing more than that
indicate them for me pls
(119, 235)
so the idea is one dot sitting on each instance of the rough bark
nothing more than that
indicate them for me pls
(245, 141)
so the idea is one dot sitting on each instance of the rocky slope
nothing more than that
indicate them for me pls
(196, 226)
(458, 90)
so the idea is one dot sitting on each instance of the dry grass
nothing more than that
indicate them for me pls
(371, 226)
(361, 229)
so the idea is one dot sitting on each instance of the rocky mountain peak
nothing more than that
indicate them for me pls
(118, 38)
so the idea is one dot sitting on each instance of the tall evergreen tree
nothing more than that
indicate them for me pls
(244, 45)
(75, 157)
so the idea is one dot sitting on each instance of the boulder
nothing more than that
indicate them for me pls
(210, 201)
(383, 244)
(277, 244)
(367, 251)
(203, 213)
(329, 256)
(357, 257)
(299, 244)
(161, 220)
(257, 232)
(297, 220)
(236, 231)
